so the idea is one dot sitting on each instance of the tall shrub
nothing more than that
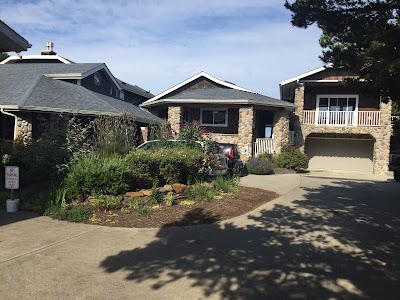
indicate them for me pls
(291, 158)
(98, 174)
(114, 135)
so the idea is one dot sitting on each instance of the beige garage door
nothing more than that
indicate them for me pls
(340, 154)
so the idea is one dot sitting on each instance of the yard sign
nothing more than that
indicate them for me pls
(12, 177)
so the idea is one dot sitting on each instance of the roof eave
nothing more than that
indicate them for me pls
(287, 105)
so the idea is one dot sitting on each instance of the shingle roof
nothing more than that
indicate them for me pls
(27, 88)
(224, 96)
(134, 89)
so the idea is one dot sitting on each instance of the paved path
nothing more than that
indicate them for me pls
(322, 239)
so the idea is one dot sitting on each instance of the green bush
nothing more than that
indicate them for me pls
(265, 156)
(98, 174)
(108, 202)
(198, 192)
(291, 158)
(259, 166)
(37, 161)
(226, 185)
(168, 165)
(72, 214)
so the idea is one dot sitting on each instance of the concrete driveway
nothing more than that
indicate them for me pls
(322, 239)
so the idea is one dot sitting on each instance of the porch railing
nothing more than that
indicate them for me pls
(342, 118)
(264, 145)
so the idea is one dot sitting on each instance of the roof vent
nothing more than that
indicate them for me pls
(49, 49)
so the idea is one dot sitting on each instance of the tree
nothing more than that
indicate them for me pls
(362, 36)
(3, 56)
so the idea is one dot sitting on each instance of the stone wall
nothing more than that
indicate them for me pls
(223, 138)
(245, 131)
(381, 133)
(280, 129)
(174, 118)
(24, 126)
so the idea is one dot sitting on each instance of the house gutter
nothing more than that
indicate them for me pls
(15, 120)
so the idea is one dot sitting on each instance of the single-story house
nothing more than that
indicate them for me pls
(87, 89)
(338, 127)
(231, 114)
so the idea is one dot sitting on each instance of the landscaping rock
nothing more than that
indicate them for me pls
(146, 192)
(134, 194)
(162, 190)
(168, 188)
(179, 188)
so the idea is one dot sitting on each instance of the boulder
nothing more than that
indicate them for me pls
(134, 194)
(168, 188)
(179, 188)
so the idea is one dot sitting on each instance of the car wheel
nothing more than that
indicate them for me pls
(397, 175)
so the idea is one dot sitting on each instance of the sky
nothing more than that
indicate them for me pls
(157, 44)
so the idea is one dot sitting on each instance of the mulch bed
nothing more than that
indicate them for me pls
(202, 212)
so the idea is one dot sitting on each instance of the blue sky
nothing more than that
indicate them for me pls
(158, 43)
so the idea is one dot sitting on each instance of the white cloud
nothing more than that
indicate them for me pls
(157, 44)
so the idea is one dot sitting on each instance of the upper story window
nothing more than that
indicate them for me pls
(337, 102)
(214, 117)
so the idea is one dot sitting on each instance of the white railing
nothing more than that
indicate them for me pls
(369, 118)
(291, 137)
(264, 146)
(342, 118)
(309, 117)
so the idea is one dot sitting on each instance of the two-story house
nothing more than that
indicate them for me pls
(338, 128)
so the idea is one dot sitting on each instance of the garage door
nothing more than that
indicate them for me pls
(340, 154)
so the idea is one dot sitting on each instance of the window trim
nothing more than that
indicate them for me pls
(319, 96)
(214, 109)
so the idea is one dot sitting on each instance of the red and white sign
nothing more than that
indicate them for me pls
(12, 177)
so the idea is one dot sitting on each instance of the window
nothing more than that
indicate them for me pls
(336, 109)
(214, 117)
(185, 115)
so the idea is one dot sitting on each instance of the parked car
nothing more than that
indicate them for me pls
(208, 148)
(231, 151)
(394, 165)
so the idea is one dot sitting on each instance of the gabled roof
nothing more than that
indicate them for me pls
(201, 74)
(58, 71)
(134, 89)
(297, 78)
(33, 91)
(11, 40)
(224, 96)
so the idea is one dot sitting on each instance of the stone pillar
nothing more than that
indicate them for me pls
(298, 118)
(382, 140)
(280, 129)
(174, 118)
(245, 132)
(24, 126)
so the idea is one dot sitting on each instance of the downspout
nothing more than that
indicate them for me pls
(15, 123)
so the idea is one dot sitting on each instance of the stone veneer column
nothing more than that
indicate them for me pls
(382, 140)
(280, 129)
(245, 131)
(298, 119)
(24, 126)
(174, 118)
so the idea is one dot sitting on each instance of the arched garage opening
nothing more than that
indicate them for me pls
(344, 152)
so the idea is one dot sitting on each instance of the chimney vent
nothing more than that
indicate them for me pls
(49, 49)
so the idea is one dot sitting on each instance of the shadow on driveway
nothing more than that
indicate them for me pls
(337, 241)
(8, 218)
